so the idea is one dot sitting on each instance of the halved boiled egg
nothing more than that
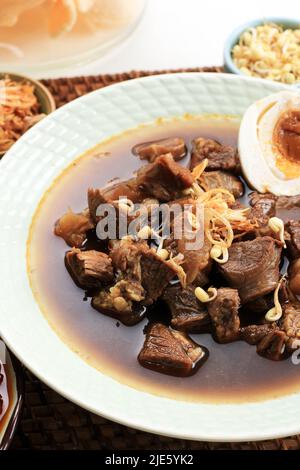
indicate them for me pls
(269, 144)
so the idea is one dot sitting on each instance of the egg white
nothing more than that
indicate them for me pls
(257, 152)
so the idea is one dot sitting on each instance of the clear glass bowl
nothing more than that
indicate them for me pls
(40, 44)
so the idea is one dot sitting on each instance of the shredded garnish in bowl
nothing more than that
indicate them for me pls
(269, 51)
(19, 110)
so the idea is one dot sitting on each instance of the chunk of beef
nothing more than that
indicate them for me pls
(263, 207)
(164, 179)
(222, 179)
(288, 207)
(95, 198)
(253, 334)
(263, 204)
(287, 202)
(150, 204)
(188, 314)
(126, 257)
(73, 227)
(223, 311)
(194, 246)
(268, 205)
(220, 157)
(114, 214)
(294, 276)
(135, 260)
(293, 238)
(286, 295)
(124, 189)
(253, 267)
(89, 269)
(272, 346)
(197, 263)
(151, 150)
(290, 324)
(260, 305)
(171, 352)
(122, 301)
(155, 275)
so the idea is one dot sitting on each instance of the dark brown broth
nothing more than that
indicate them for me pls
(233, 373)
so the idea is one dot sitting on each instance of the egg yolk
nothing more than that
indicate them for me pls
(286, 140)
(287, 135)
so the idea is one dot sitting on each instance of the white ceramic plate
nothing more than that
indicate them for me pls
(26, 172)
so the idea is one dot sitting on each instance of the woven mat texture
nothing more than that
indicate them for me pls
(50, 422)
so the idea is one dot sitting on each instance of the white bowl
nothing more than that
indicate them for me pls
(28, 169)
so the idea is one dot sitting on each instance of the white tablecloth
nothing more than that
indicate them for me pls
(185, 33)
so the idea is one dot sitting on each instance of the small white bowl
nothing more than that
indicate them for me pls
(233, 39)
(45, 98)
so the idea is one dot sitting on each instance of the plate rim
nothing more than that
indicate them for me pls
(130, 421)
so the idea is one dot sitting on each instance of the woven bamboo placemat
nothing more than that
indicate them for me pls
(50, 422)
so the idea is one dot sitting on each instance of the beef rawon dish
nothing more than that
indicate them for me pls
(179, 310)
